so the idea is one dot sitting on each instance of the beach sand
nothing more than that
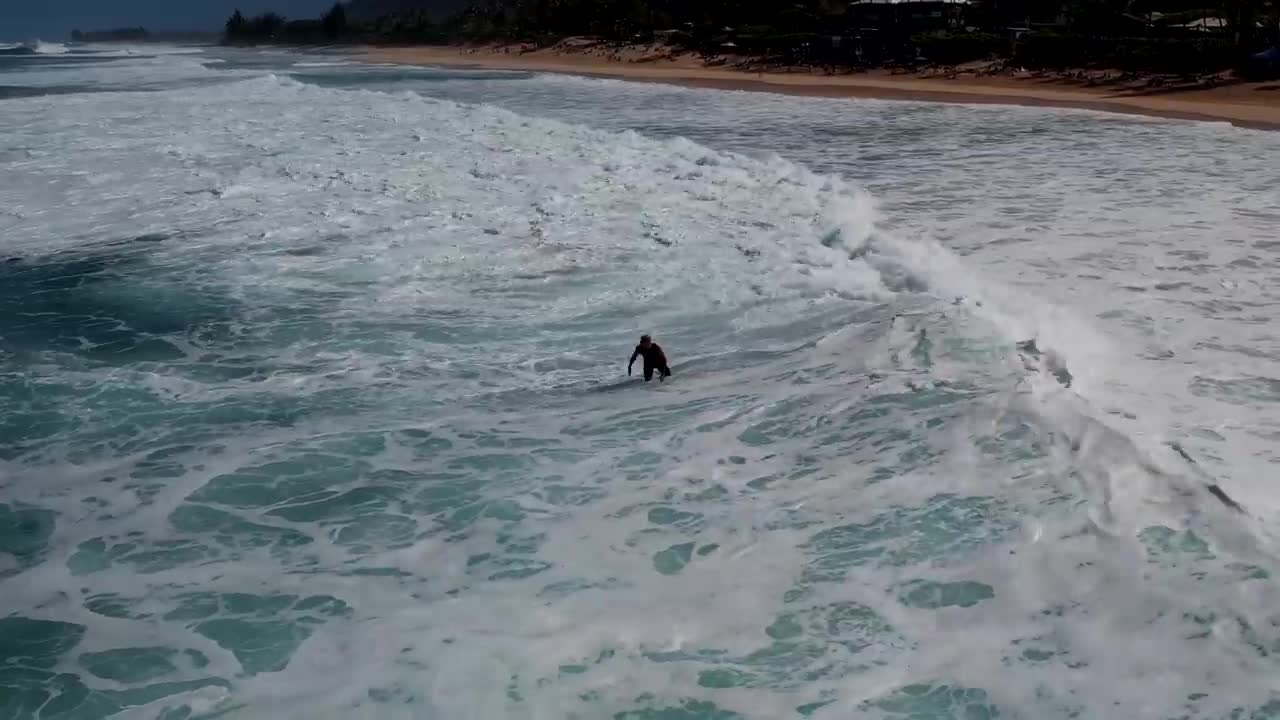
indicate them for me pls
(1253, 105)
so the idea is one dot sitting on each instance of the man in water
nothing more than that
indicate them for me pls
(654, 359)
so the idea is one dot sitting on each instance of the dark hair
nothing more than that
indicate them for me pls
(645, 337)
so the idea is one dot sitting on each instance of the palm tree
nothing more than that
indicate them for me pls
(335, 21)
(236, 24)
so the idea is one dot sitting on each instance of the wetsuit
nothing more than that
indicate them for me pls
(654, 359)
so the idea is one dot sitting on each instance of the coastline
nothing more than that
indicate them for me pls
(1248, 105)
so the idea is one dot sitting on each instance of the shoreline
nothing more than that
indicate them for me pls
(1247, 105)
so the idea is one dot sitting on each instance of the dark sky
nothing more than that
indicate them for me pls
(55, 19)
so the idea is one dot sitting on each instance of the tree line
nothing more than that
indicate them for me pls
(411, 25)
(1152, 35)
(142, 35)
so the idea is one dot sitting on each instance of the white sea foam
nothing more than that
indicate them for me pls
(41, 47)
(290, 333)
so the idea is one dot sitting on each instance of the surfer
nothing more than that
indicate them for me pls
(654, 359)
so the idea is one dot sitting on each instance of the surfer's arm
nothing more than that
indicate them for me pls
(632, 361)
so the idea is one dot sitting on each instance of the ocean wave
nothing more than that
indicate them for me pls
(327, 402)
(35, 47)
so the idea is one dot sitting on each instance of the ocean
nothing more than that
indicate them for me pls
(315, 404)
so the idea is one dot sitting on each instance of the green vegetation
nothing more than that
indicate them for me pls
(341, 25)
(1168, 36)
(116, 35)
(142, 35)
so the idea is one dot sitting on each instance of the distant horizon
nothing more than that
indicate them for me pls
(68, 37)
(55, 20)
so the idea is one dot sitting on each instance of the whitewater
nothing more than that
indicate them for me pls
(314, 400)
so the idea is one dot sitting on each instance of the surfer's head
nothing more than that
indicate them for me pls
(645, 341)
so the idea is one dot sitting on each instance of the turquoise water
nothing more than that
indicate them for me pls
(315, 402)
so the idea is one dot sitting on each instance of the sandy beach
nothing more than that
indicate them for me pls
(1252, 105)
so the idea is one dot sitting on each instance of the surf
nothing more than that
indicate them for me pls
(320, 402)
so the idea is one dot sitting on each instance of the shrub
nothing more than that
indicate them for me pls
(1169, 55)
(956, 48)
